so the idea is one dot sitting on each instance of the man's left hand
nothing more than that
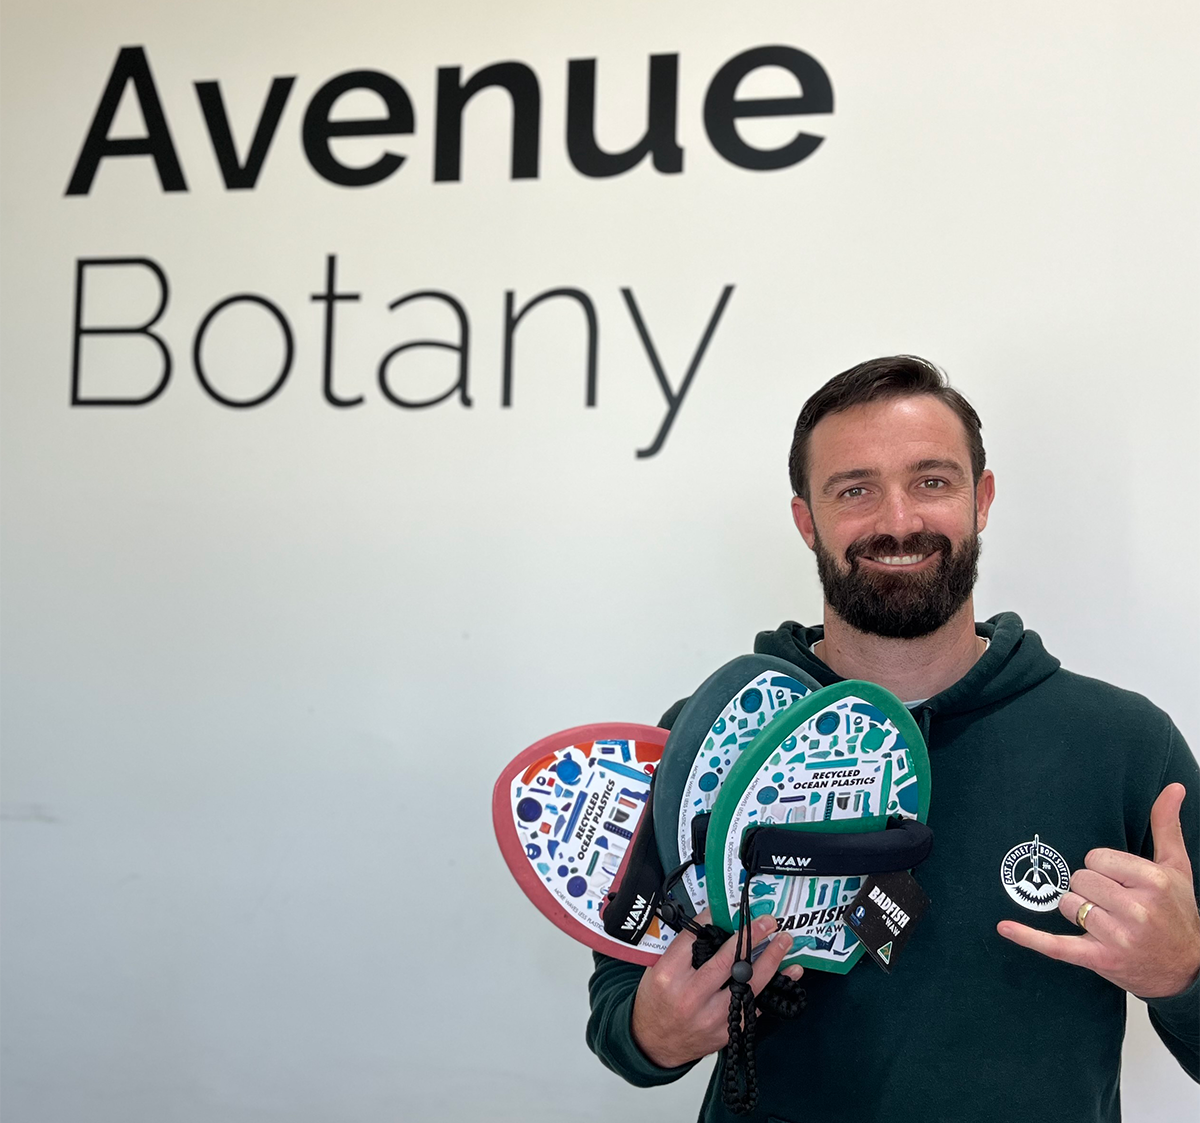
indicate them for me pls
(1143, 932)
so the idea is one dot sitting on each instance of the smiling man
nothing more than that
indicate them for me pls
(1010, 1001)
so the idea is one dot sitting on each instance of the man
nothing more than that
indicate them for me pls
(1009, 1003)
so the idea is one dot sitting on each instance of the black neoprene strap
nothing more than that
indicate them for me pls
(777, 850)
(631, 904)
(700, 837)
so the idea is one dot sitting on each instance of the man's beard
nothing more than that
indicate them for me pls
(899, 605)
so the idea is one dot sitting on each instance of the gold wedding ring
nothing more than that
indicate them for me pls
(1082, 914)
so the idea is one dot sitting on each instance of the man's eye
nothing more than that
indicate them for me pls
(853, 492)
(933, 484)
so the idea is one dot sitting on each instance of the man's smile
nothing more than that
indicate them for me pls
(898, 561)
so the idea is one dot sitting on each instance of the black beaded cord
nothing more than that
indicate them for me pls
(783, 997)
(739, 1072)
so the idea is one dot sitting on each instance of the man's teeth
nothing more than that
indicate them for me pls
(901, 559)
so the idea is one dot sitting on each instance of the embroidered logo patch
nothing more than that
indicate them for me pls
(1035, 875)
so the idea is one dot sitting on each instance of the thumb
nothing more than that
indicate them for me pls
(1167, 831)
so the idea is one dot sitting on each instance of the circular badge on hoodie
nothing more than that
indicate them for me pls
(1035, 875)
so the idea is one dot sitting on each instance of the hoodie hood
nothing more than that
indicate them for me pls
(1014, 662)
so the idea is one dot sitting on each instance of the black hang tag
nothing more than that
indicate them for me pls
(884, 913)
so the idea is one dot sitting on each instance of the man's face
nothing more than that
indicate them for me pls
(893, 516)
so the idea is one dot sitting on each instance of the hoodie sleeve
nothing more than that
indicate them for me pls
(612, 989)
(1177, 1019)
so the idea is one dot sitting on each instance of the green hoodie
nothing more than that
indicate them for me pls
(969, 1026)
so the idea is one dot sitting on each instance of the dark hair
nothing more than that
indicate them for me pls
(893, 376)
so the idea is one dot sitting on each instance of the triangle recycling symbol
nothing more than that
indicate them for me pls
(885, 952)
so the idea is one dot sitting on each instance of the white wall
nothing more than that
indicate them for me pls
(248, 655)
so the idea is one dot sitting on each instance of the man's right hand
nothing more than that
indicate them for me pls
(681, 1014)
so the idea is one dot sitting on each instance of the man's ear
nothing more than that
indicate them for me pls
(985, 492)
(802, 517)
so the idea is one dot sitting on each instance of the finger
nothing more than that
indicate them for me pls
(1099, 889)
(1130, 870)
(794, 972)
(1167, 830)
(1069, 905)
(768, 963)
(712, 975)
(1099, 922)
(1080, 950)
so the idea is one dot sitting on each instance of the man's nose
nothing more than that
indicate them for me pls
(898, 515)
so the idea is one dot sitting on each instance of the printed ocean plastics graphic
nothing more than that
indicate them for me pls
(565, 812)
(750, 709)
(835, 762)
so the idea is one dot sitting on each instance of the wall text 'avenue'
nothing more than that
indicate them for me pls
(722, 110)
